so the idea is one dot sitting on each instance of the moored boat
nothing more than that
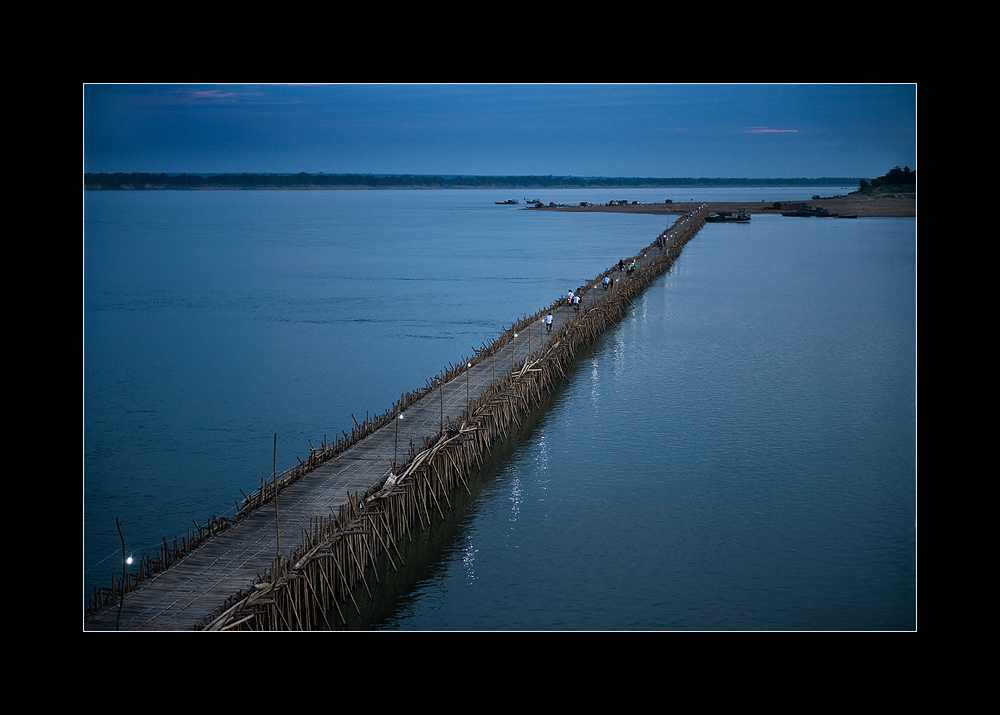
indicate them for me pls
(740, 216)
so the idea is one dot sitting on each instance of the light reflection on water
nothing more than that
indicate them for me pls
(469, 559)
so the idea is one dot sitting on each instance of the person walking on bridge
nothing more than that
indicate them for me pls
(548, 322)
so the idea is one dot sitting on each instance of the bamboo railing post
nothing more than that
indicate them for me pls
(277, 530)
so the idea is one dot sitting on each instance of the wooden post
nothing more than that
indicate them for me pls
(277, 531)
(122, 602)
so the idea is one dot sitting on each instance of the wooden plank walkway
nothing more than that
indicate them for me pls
(192, 589)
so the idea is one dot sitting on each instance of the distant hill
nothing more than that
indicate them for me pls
(303, 180)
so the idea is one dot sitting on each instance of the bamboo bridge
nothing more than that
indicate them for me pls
(301, 548)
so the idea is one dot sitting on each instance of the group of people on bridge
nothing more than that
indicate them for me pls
(573, 300)
(629, 268)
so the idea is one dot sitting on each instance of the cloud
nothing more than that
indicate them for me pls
(203, 95)
(210, 94)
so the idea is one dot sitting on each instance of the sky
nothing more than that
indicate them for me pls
(618, 130)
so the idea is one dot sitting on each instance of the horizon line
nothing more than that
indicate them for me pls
(447, 176)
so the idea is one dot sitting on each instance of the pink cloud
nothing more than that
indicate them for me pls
(210, 94)
(184, 95)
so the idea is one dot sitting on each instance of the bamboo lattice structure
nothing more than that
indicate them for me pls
(329, 569)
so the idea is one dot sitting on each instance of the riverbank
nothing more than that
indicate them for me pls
(904, 206)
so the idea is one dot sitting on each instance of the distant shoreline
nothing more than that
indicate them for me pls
(138, 181)
(884, 202)
(361, 187)
(857, 204)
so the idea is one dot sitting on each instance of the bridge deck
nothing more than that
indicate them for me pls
(192, 589)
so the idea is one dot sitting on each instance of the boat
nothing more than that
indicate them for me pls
(505, 203)
(740, 216)
(532, 201)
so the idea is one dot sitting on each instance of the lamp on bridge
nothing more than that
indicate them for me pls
(395, 449)
(467, 415)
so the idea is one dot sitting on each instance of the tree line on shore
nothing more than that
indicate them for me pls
(897, 179)
(140, 180)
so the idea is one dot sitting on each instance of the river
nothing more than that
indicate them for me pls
(739, 453)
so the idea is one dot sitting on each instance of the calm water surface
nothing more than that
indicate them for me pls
(738, 453)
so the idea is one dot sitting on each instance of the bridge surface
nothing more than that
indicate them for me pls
(192, 590)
